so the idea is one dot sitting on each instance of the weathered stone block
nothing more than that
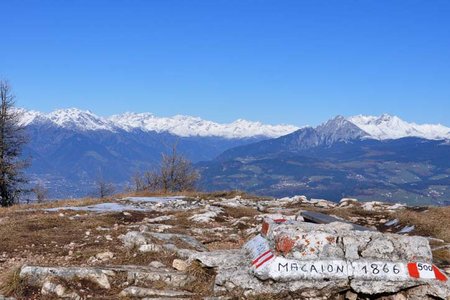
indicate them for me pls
(302, 240)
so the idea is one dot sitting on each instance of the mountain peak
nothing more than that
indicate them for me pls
(339, 129)
(337, 120)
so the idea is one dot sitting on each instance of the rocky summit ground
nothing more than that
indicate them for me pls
(184, 247)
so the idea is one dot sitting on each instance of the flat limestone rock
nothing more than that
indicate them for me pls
(134, 291)
(171, 278)
(37, 275)
(189, 240)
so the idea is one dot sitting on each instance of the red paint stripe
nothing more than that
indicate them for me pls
(259, 257)
(438, 274)
(279, 220)
(264, 261)
(413, 271)
(265, 228)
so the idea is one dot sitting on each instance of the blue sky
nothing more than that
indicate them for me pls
(297, 62)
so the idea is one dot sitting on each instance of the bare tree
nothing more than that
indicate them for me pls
(12, 139)
(152, 181)
(104, 189)
(176, 174)
(138, 182)
(40, 191)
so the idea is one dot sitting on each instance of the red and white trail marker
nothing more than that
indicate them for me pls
(260, 251)
(262, 259)
(425, 271)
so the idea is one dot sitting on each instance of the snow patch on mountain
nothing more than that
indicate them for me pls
(392, 127)
(30, 116)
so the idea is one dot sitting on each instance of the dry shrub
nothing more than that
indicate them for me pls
(201, 278)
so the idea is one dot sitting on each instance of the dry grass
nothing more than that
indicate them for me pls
(435, 221)
(442, 257)
(229, 195)
(202, 278)
(239, 212)
(44, 238)
(12, 285)
(135, 257)
(266, 297)
(47, 230)
(181, 222)
(196, 194)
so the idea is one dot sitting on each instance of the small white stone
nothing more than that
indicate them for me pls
(150, 248)
(179, 264)
(105, 255)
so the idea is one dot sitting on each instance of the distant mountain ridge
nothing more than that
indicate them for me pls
(338, 159)
(179, 125)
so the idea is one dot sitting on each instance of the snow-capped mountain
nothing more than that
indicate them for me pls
(392, 127)
(71, 118)
(179, 125)
(193, 126)
(75, 118)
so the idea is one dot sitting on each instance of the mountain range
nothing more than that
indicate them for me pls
(71, 149)
(339, 159)
(179, 125)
